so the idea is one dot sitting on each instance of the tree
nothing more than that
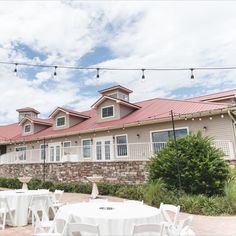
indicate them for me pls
(202, 168)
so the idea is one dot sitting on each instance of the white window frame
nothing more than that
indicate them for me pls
(59, 118)
(82, 147)
(126, 144)
(21, 151)
(167, 129)
(108, 116)
(42, 144)
(26, 132)
(66, 147)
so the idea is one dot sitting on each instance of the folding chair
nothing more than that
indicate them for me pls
(82, 228)
(5, 211)
(56, 199)
(182, 227)
(168, 208)
(39, 208)
(148, 228)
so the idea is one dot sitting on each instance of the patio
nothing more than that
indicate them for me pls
(202, 225)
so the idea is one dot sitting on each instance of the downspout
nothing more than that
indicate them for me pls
(234, 128)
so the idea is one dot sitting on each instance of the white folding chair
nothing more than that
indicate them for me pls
(73, 228)
(148, 228)
(56, 199)
(166, 210)
(181, 228)
(39, 207)
(5, 211)
(57, 229)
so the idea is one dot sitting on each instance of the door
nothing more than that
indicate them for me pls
(54, 152)
(103, 148)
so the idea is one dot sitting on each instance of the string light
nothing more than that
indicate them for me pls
(192, 75)
(97, 73)
(120, 69)
(222, 116)
(15, 70)
(200, 119)
(55, 72)
(143, 75)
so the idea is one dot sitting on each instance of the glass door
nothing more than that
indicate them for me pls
(103, 148)
(54, 152)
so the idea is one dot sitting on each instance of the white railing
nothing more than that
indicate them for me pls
(108, 152)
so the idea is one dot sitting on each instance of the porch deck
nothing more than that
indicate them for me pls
(97, 152)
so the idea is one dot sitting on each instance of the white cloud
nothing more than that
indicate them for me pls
(139, 34)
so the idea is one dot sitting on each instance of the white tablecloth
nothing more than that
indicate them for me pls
(20, 200)
(118, 221)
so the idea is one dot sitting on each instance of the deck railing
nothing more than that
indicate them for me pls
(107, 152)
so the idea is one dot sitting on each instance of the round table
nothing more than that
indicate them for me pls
(113, 218)
(20, 201)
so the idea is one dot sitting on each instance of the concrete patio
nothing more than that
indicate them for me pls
(202, 225)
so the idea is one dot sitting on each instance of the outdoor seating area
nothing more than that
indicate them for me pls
(48, 215)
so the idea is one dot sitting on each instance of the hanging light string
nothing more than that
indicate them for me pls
(192, 116)
(191, 69)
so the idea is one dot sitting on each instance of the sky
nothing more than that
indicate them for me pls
(119, 34)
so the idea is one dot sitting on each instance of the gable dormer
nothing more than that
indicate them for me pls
(117, 91)
(27, 111)
(109, 107)
(65, 118)
(33, 125)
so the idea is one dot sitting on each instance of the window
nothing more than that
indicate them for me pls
(121, 142)
(43, 151)
(87, 148)
(66, 146)
(120, 96)
(159, 138)
(21, 153)
(27, 128)
(61, 121)
(107, 111)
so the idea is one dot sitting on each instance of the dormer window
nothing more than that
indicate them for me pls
(61, 121)
(107, 112)
(27, 128)
(119, 95)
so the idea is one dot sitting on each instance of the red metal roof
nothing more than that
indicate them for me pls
(8, 132)
(47, 122)
(28, 109)
(153, 109)
(115, 87)
(215, 96)
(120, 101)
(70, 112)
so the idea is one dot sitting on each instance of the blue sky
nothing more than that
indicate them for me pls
(112, 34)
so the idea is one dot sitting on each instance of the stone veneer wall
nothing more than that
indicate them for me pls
(119, 172)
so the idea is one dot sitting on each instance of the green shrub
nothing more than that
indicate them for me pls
(230, 195)
(108, 188)
(35, 184)
(134, 192)
(202, 168)
(48, 185)
(155, 193)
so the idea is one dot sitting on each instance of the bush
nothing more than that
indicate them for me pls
(134, 192)
(35, 184)
(202, 168)
(155, 193)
